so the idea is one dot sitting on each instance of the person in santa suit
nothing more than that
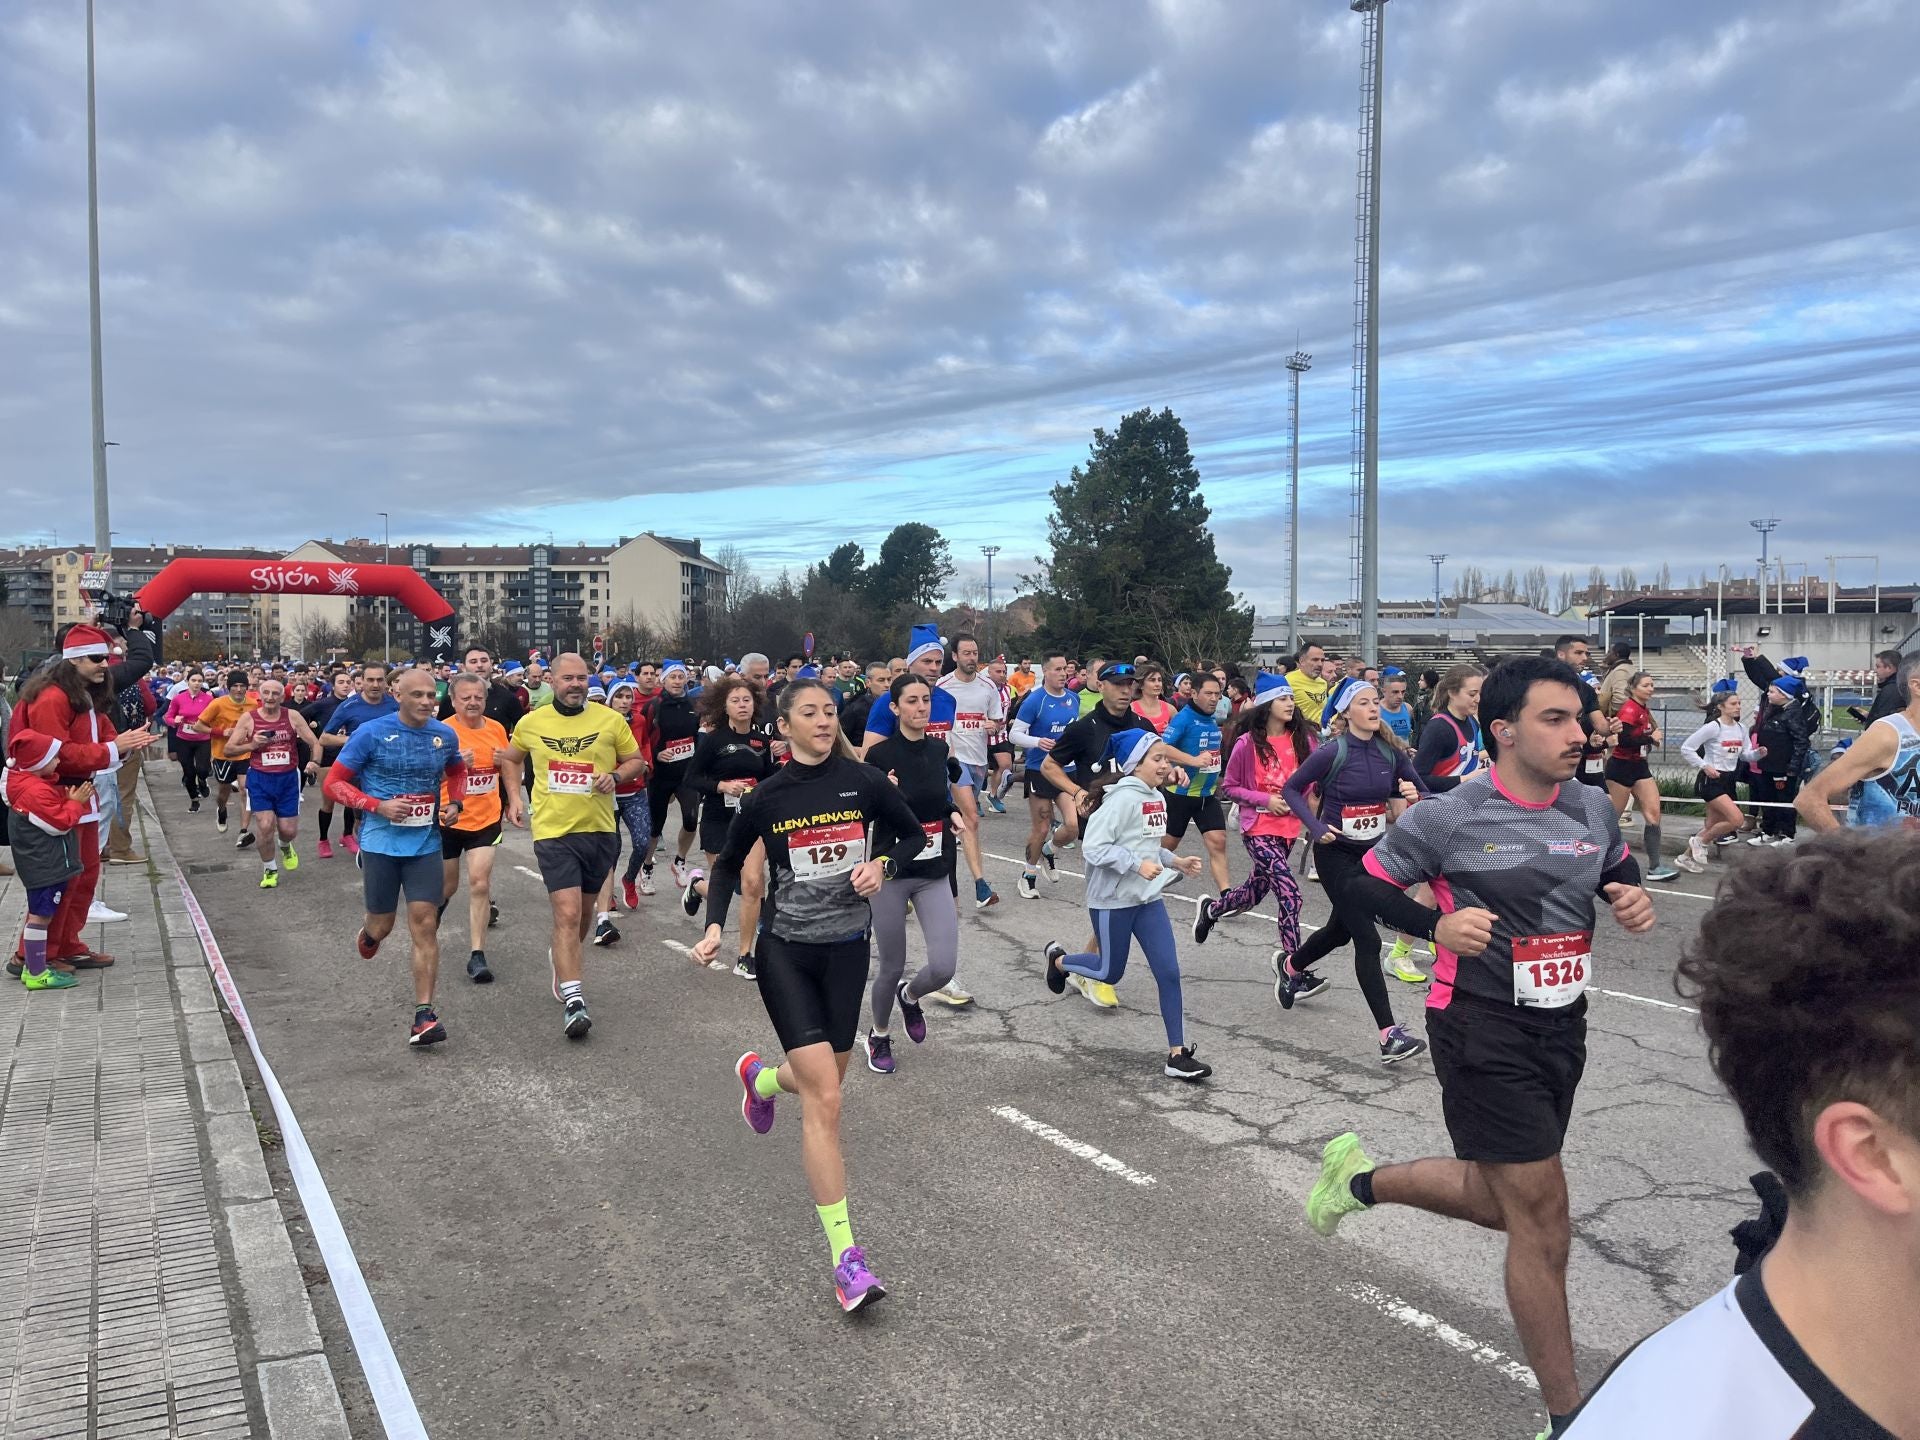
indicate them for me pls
(58, 702)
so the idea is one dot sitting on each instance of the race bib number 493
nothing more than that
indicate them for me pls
(820, 852)
(1550, 971)
(1363, 822)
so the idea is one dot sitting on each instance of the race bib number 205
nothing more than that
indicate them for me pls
(821, 852)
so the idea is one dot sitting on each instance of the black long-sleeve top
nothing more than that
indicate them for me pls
(675, 727)
(926, 774)
(817, 822)
(729, 755)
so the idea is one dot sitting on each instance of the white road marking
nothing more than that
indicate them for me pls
(1307, 929)
(1394, 1308)
(525, 871)
(1092, 1154)
(676, 945)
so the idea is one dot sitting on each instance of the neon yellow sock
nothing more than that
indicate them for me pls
(767, 1083)
(833, 1219)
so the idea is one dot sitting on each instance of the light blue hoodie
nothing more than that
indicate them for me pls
(1126, 829)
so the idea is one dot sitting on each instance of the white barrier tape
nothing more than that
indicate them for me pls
(371, 1347)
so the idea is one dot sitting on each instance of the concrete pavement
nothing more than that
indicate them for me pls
(583, 1239)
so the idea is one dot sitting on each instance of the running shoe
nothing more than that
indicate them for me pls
(493, 915)
(1732, 837)
(996, 804)
(1663, 873)
(747, 968)
(879, 1050)
(756, 1112)
(629, 895)
(1182, 1066)
(1046, 854)
(983, 895)
(1400, 964)
(350, 844)
(1203, 921)
(1056, 977)
(269, 879)
(1332, 1194)
(605, 932)
(49, 979)
(246, 841)
(679, 870)
(1762, 839)
(1097, 991)
(646, 880)
(1295, 985)
(1775, 842)
(951, 994)
(1690, 862)
(477, 968)
(1067, 844)
(1697, 850)
(912, 1015)
(1029, 885)
(220, 821)
(856, 1285)
(193, 805)
(427, 1029)
(577, 1021)
(126, 859)
(366, 944)
(1278, 960)
(689, 897)
(1399, 1045)
(288, 859)
(101, 913)
(324, 849)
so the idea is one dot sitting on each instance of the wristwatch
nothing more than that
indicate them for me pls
(887, 867)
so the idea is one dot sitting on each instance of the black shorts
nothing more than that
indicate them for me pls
(813, 993)
(384, 877)
(661, 797)
(1593, 769)
(1183, 810)
(577, 862)
(715, 820)
(1713, 787)
(1005, 747)
(1038, 786)
(455, 843)
(1628, 772)
(1507, 1077)
(230, 772)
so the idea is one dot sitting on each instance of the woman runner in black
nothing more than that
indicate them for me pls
(732, 756)
(815, 818)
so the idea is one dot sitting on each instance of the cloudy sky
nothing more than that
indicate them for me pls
(786, 275)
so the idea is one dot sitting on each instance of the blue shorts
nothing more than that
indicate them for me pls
(973, 777)
(278, 792)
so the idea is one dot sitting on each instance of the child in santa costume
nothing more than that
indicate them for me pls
(46, 851)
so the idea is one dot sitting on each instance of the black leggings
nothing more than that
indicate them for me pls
(196, 764)
(1772, 821)
(813, 992)
(1350, 923)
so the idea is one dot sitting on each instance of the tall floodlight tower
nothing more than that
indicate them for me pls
(102, 536)
(1766, 528)
(1298, 363)
(1366, 337)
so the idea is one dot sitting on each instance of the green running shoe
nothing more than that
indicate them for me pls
(49, 979)
(1332, 1194)
(1400, 964)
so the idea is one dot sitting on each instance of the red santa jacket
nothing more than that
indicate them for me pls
(44, 801)
(87, 748)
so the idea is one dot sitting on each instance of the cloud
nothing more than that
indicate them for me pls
(783, 277)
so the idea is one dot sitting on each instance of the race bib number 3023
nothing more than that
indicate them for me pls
(821, 852)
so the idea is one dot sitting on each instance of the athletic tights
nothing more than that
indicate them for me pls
(1271, 876)
(939, 927)
(196, 764)
(1350, 923)
(637, 816)
(1116, 930)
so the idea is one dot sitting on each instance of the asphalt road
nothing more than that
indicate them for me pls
(582, 1239)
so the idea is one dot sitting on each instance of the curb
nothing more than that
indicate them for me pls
(297, 1390)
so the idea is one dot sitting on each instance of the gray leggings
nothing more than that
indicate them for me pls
(933, 906)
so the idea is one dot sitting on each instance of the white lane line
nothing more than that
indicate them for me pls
(371, 1346)
(1394, 1308)
(687, 950)
(1307, 928)
(525, 871)
(1092, 1154)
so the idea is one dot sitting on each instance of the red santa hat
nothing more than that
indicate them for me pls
(85, 642)
(29, 750)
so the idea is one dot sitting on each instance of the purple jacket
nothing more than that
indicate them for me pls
(1365, 779)
(1239, 782)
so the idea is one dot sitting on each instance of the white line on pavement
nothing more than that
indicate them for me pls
(1308, 929)
(1092, 1154)
(371, 1345)
(1394, 1308)
(525, 871)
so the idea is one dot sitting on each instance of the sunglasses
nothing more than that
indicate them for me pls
(1117, 672)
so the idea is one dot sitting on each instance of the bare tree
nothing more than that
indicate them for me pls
(1628, 582)
(1564, 591)
(1535, 585)
(19, 634)
(1596, 586)
(1665, 582)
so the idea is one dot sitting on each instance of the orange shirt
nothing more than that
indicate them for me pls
(482, 807)
(223, 712)
(1020, 684)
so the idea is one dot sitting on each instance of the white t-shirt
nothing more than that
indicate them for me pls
(978, 712)
(1728, 1369)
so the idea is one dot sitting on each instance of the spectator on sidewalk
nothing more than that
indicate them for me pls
(6, 714)
(46, 816)
(132, 711)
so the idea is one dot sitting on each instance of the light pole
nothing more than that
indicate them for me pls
(990, 551)
(1298, 364)
(102, 536)
(1438, 561)
(1374, 13)
(1766, 528)
(386, 601)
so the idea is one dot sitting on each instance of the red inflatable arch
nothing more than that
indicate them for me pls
(164, 594)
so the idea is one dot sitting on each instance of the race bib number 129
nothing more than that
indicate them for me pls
(820, 852)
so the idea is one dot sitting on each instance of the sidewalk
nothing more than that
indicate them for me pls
(147, 1283)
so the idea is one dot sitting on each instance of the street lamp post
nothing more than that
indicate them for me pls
(1438, 561)
(386, 601)
(990, 551)
(1298, 364)
(1766, 528)
(102, 536)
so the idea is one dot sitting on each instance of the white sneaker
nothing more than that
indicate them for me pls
(951, 994)
(679, 873)
(646, 882)
(1690, 862)
(101, 914)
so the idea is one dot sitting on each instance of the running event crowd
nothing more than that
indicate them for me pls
(1466, 826)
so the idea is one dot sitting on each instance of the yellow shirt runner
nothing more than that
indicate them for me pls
(566, 753)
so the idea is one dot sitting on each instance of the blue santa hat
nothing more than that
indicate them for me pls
(925, 639)
(1267, 688)
(1341, 699)
(513, 667)
(670, 666)
(1128, 748)
(807, 672)
(1726, 685)
(1794, 665)
(1790, 685)
(596, 692)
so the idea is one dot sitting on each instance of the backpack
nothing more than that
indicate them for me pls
(1379, 742)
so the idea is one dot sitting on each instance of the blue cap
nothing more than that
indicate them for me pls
(672, 665)
(807, 672)
(1391, 671)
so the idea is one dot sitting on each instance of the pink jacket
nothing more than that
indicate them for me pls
(1240, 784)
(185, 708)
